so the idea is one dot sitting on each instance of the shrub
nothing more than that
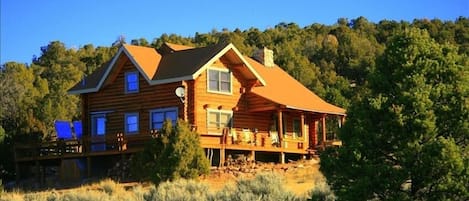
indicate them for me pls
(265, 186)
(181, 189)
(321, 192)
(174, 153)
(110, 187)
(12, 196)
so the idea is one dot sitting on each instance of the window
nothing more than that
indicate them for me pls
(217, 120)
(275, 124)
(131, 123)
(131, 82)
(219, 81)
(157, 117)
(98, 124)
(297, 128)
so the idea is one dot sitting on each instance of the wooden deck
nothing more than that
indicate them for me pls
(120, 144)
(79, 148)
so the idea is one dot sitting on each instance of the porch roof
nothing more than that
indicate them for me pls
(285, 90)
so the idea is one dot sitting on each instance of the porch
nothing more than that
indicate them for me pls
(282, 131)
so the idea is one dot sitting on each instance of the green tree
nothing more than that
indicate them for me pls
(175, 153)
(406, 138)
(62, 69)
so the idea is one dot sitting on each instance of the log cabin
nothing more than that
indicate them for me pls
(237, 104)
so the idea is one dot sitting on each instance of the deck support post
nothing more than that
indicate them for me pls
(222, 157)
(17, 171)
(253, 155)
(38, 171)
(88, 167)
(282, 157)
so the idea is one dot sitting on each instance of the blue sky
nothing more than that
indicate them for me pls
(26, 25)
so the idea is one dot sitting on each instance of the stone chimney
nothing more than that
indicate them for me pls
(265, 56)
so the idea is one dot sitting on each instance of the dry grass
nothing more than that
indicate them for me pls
(300, 179)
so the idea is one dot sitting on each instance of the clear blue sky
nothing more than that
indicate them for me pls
(26, 25)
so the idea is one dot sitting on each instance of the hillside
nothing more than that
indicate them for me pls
(296, 179)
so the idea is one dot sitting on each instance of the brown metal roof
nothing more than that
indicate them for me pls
(185, 62)
(90, 81)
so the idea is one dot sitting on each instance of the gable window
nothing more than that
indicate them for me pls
(219, 80)
(218, 119)
(131, 123)
(131, 82)
(159, 116)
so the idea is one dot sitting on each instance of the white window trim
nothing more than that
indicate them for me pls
(218, 111)
(126, 83)
(161, 110)
(221, 70)
(125, 122)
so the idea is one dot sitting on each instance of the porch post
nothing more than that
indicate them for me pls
(280, 127)
(185, 101)
(303, 130)
(342, 120)
(86, 132)
(324, 131)
(313, 133)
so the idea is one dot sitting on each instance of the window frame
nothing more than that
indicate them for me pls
(219, 129)
(296, 133)
(164, 110)
(93, 125)
(219, 80)
(126, 124)
(127, 83)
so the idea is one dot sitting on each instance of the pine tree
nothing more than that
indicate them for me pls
(406, 139)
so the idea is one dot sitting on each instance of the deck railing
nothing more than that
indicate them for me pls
(83, 146)
(233, 137)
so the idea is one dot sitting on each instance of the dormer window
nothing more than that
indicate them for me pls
(131, 82)
(219, 81)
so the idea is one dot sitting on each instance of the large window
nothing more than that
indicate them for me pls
(297, 128)
(98, 124)
(219, 80)
(158, 116)
(218, 119)
(131, 123)
(131, 82)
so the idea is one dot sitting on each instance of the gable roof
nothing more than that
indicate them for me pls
(285, 90)
(178, 63)
(186, 64)
(146, 59)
